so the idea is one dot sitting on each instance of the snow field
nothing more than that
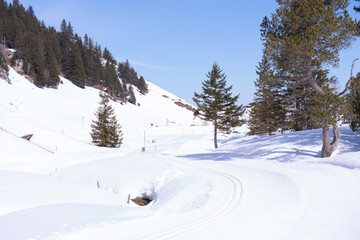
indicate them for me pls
(60, 186)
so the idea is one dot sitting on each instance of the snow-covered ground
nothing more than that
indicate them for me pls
(60, 186)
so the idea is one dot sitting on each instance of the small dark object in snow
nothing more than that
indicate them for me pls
(141, 201)
(27, 137)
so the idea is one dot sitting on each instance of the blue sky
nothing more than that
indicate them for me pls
(173, 43)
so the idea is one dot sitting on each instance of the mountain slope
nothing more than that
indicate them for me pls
(60, 118)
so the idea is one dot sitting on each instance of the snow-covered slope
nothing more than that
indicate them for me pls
(60, 119)
(60, 186)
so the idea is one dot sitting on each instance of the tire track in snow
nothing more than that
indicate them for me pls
(233, 202)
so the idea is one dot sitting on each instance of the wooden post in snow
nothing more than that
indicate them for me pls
(143, 149)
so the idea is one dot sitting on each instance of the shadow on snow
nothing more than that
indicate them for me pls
(283, 147)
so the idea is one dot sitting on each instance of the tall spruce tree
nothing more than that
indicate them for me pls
(354, 100)
(69, 30)
(354, 95)
(77, 71)
(63, 26)
(52, 72)
(131, 98)
(3, 64)
(216, 104)
(304, 38)
(268, 112)
(106, 131)
(142, 86)
(4, 69)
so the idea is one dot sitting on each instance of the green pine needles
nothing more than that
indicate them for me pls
(106, 131)
(354, 101)
(268, 113)
(216, 104)
(302, 41)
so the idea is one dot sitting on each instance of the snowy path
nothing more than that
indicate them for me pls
(250, 200)
(273, 188)
(222, 204)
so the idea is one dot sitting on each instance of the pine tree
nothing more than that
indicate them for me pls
(86, 40)
(132, 98)
(303, 39)
(106, 131)
(35, 53)
(4, 69)
(354, 100)
(52, 70)
(355, 123)
(63, 26)
(268, 113)
(77, 70)
(142, 86)
(3, 64)
(125, 71)
(216, 104)
(299, 96)
(69, 30)
(108, 56)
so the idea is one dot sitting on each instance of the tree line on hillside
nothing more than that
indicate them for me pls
(44, 53)
(294, 89)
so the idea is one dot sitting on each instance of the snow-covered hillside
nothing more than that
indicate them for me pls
(60, 186)
(60, 119)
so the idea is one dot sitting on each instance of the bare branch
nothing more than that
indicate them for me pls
(347, 86)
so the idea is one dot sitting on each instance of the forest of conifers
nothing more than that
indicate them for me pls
(44, 53)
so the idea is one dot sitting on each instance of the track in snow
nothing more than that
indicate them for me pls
(233, 201)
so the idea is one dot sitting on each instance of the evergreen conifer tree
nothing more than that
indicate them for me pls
(3, 64)
(268, 113)
(303, 39)
(86, 40)
(142, 86)
(69, 30)
(4, 69)
(132, 98)
(77, 70)
(106, 131)
(63, 26)
(216, 104)
(52, 70)
(355, 104)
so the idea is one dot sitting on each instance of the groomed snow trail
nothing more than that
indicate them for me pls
(226, 203)
(243, 199)
(273, 188)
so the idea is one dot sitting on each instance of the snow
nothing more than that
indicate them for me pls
(60, 186)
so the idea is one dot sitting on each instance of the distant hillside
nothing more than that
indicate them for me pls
(65, 114)
(42, 54)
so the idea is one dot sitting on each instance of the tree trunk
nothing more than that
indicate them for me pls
(215, 135)
(336, 138)
(328, 148)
